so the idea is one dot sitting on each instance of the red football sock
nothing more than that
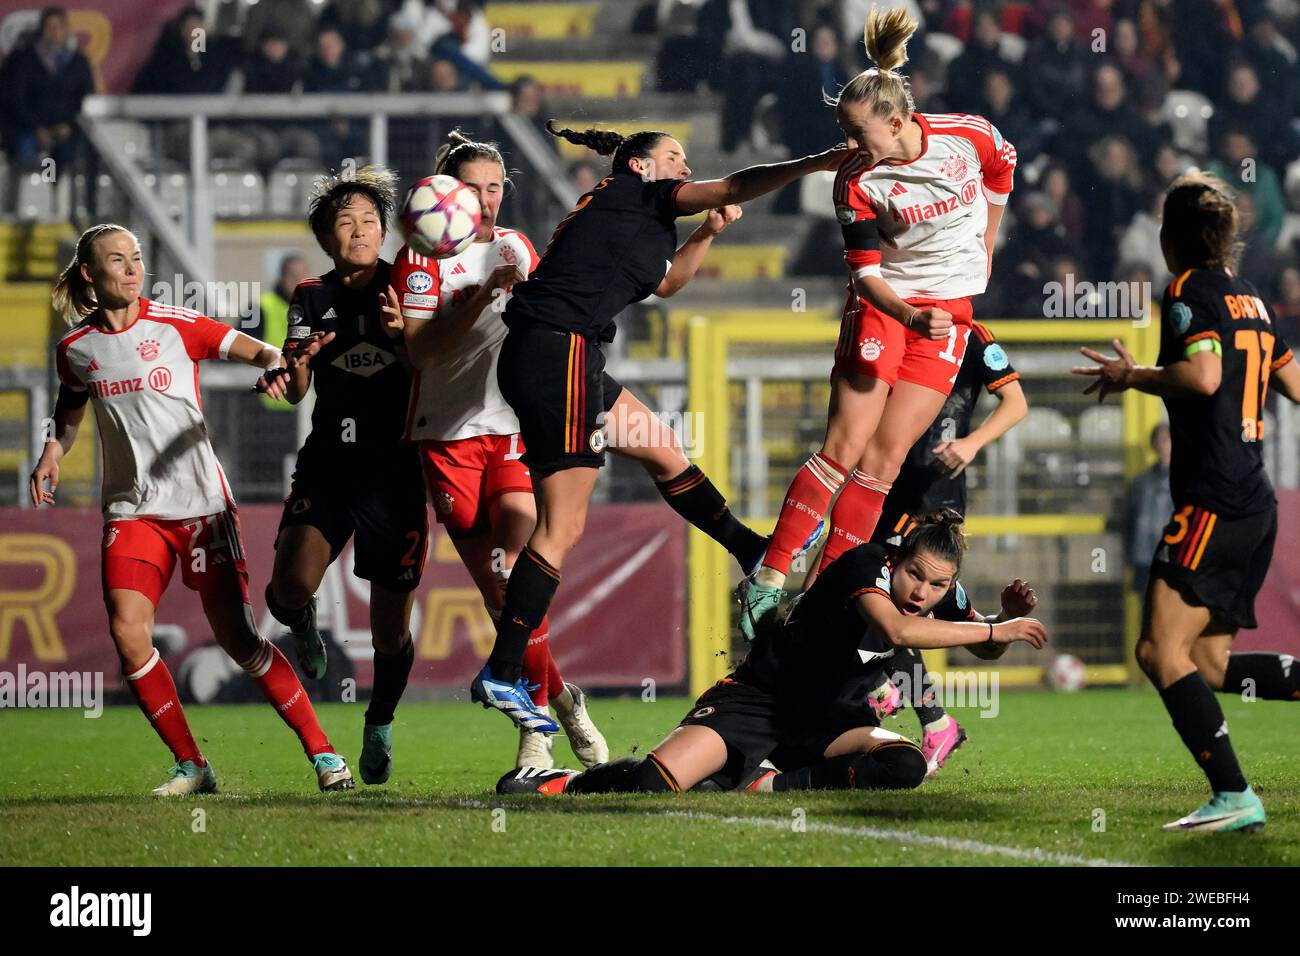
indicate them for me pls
(155, 692)
(273, 673)
(536, 660)
(854, 517)
(805, 505)
(554, 682)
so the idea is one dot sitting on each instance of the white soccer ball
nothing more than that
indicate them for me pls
(440, 216)
(1066, 673)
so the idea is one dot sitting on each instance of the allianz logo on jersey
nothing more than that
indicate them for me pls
(365, 359)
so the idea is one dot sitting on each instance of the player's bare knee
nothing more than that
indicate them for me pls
(289, 592)
(1147, 655)
(1211, 663)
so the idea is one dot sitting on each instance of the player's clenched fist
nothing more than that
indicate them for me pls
(1026, 629)
(932, 323)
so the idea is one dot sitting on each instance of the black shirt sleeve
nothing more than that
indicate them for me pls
(955, 605)
(660, 197)
(994, 365)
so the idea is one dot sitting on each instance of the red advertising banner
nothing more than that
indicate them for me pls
(1277, 609)
(609, 627)
(117, 36)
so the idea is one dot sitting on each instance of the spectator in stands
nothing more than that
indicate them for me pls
(46, 81)
(273, 326)
(967, 73)
(924, 95)
(1000, 105)
(1055, 181)
(808, 76)
(1110, 113)
(456, 30)
(1273, 58)
(401, 59)
(585, 175)
(528, 100)
(1113, 195)
(364, 22)
(1240, 166)
(1247, 107)
(1202, 31)
(294, 21)
(1287, 310)
(270, 69)
(1140, 241)
(335, 70)
(1143, 77)
(1147, 509)
(186, 59)
(1035, 241)
(756, 44)
(441, 76)
(1257, 262)
(1056, 68)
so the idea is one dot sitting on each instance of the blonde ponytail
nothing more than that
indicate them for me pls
(885, 91)
(73, 296)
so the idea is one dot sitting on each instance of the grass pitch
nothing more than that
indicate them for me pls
(1054, 779)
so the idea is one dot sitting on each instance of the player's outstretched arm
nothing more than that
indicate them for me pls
(1012, 407)
(690, 254)
(924, 633)
(753, 181)
(1198, 374)
(69, 410)
(1286, 381)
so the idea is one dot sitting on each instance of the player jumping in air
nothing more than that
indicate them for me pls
(164, 494)
(933, 477)
(798, 702)
(919, 202)
(355, 477)
(618, 246)
(1218, 350)
(468, 437)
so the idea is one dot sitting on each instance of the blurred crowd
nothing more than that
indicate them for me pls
(1105, 100)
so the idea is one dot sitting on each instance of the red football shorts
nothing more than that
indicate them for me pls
(139, 554)
(876, 345)
(465, 476)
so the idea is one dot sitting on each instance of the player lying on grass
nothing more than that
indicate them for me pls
(932, 478)
(468, 437)
(798, 698)
(1218, 349)
(355, 476)
(164, 494)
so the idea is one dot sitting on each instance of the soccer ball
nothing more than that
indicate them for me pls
(440, 216)
(1066, 673)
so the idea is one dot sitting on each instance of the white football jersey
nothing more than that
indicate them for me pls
(920, 226)
(457, 396)
(144, 386)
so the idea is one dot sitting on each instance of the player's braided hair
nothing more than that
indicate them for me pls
(73, 296)
(606, 142)
(461, 149)
(940, 533)
(1200, 221)
(332, 192)
(886, 91)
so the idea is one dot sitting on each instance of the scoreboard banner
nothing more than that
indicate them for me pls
(619, 618)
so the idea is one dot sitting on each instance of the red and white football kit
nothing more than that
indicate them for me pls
(164, 494)
(921, 227)
(468, 436)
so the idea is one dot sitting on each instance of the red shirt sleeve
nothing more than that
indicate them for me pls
(417, 281)
(997, 160)
(206, 338)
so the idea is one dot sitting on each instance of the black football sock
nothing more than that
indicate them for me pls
(1198, 718)
(391, 674)
(917, 689)
(896, 765)
(295, 619)
(625, 775)
(693, 496)
(1270, 676)
(528, 597)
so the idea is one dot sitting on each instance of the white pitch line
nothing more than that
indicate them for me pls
(904, 836)
(876, 833)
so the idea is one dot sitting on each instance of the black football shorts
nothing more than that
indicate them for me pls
(1215, 562)
(384, 508)
(555, 381)
(756, 728)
